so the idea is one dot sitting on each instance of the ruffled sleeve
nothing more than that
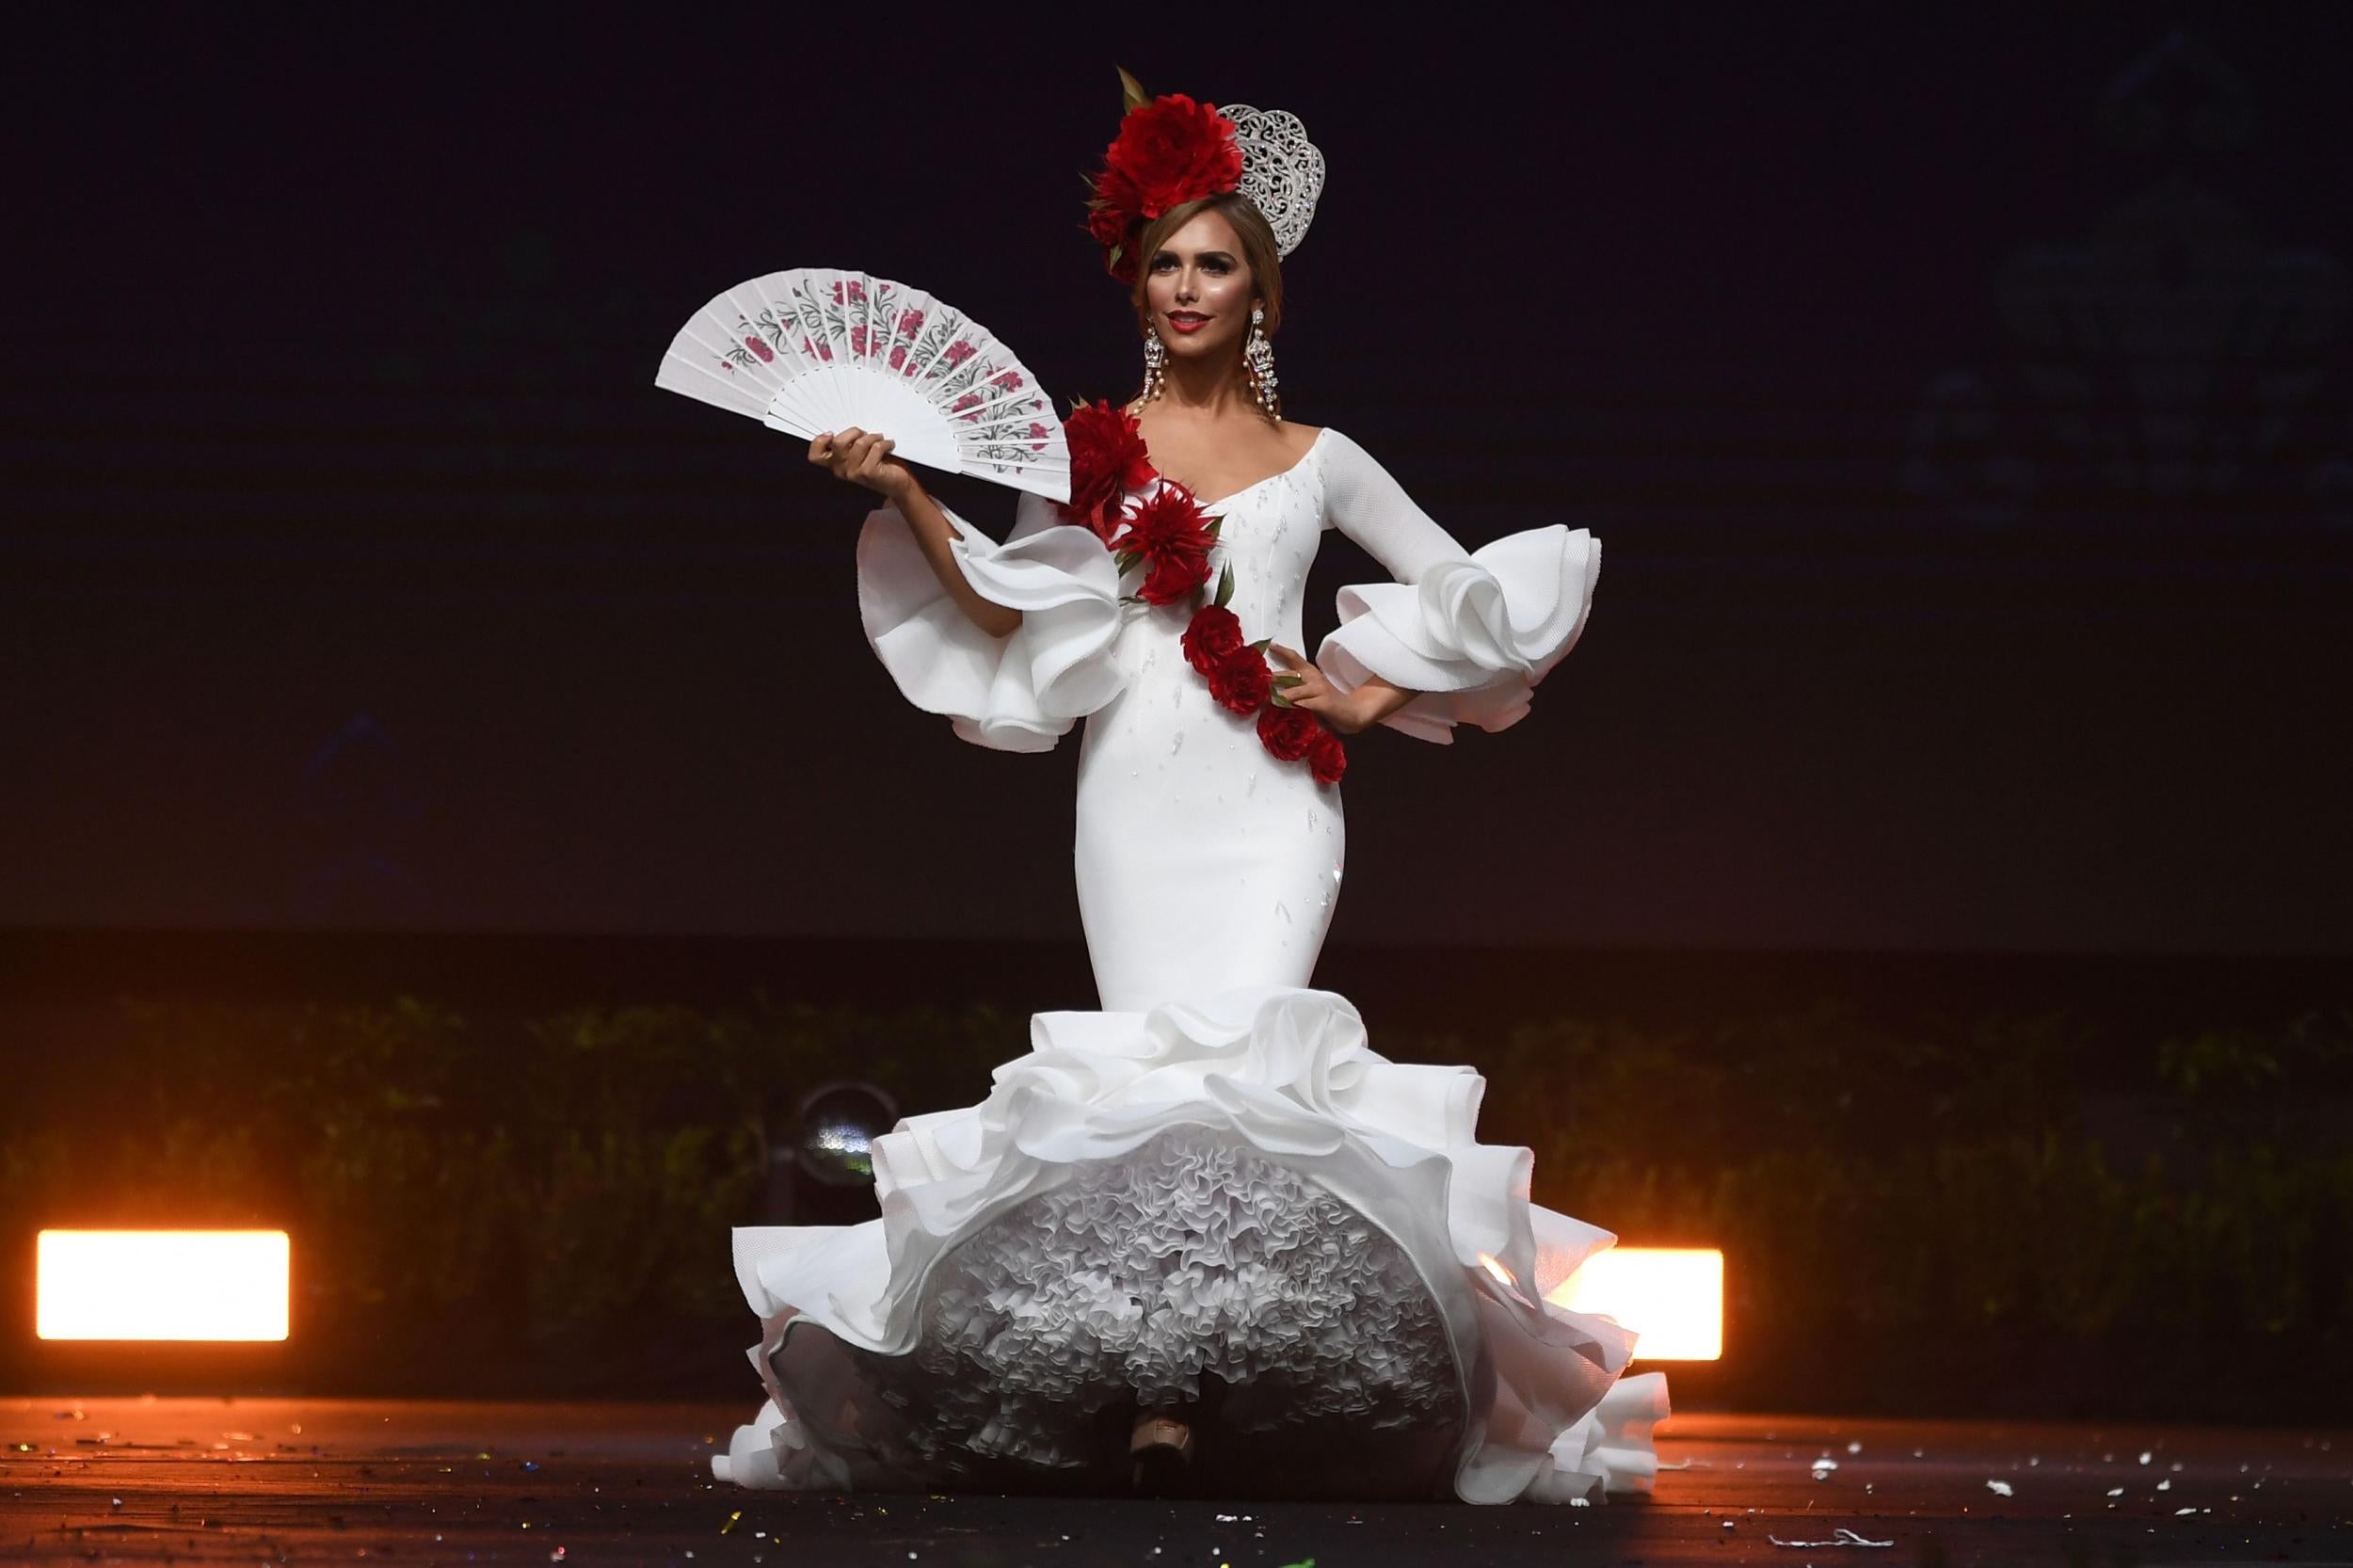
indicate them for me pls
(1020, 691)
(1473, 632)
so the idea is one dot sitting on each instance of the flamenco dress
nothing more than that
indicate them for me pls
(1212, 1196)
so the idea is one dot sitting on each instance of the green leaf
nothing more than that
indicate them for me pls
(1263, 644)
(1226, 584)
(1282, 681)
(1132, 92)
(1282, 701)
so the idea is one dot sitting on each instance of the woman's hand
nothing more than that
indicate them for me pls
(864, 459)
(1342, 712)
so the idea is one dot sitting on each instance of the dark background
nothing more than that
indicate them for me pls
(1960, 392)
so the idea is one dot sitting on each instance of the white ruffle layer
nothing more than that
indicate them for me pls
(1288, 1071)
(1020, 691)
(1472, 637)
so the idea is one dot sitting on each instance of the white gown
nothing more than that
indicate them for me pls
(1213, 1192)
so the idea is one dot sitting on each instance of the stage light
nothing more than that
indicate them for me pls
(211, 1285)
(1673, 1297)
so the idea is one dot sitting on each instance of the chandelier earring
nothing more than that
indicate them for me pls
(1259, 355)
(1155, 360)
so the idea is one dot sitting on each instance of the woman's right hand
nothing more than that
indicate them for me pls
(863, 459)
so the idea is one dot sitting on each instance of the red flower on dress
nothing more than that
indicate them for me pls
(1169, 151)
(1172, 535)
(1290, 733)
(1240, 683)
(1326, 758)
(1107, 460)
(1172, 576)
(1215, 634)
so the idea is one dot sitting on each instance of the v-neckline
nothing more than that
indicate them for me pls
(1296, 465)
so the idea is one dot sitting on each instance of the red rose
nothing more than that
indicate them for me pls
(1170, 151)
(1240, 681)
(1172, 535)
(1107, 460)
(1326, 758)
(1290, 733)
(1215, 634)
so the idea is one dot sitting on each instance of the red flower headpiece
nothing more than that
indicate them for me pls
(1170, 151)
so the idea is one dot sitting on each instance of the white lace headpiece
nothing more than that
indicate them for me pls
(1282, 171)
(1173, 149)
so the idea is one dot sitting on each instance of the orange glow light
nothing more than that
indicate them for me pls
(1673, 1297)
(161, 1284)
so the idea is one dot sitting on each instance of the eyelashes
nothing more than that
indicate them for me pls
(1163, 263)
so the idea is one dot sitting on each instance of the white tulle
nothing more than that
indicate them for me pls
(1215, 1173)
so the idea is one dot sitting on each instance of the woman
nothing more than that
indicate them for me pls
(1206, 1222)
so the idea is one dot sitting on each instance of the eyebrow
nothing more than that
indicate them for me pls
(1203, 255)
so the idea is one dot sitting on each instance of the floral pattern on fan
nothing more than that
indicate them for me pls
(816, 349)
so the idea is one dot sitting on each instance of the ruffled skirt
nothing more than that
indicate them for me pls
(1234, 1209)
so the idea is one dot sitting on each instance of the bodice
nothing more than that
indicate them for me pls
(1270, 533)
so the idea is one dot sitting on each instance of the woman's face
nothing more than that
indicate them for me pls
(1199, 290)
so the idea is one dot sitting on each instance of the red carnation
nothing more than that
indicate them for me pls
(1240, 681)
(1107, 460)
(1172, 577)
(1115, 228)
(1169, 151)
(1290, 733)
(1215, 634)
(1172, 535)
(1326, 758)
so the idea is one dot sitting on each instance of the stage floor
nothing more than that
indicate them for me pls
(272, 1480)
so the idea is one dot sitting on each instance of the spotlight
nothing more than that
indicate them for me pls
(194, 1284)
(1673, 1297)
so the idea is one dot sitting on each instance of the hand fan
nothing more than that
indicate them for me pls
(816, 349)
